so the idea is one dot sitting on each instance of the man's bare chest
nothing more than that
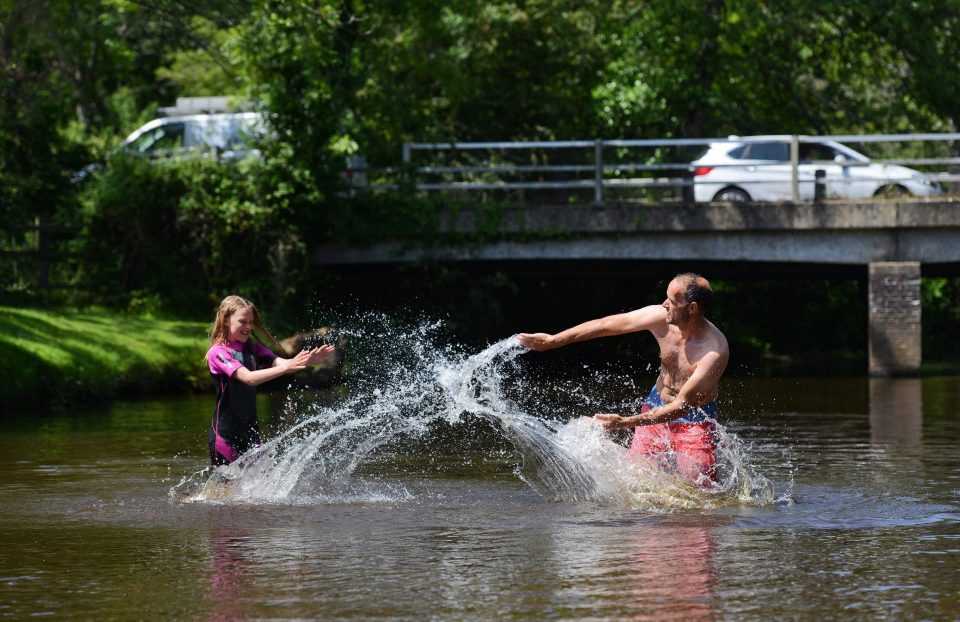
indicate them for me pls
(679, 359)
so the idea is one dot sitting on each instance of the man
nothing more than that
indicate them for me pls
(677, 417)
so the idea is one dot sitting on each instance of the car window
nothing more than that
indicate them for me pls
(737, 153)
(816, 152)
(766, 151)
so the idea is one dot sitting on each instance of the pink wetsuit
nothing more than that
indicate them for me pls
(234, 428)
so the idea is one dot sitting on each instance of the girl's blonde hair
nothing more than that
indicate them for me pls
(229, 306)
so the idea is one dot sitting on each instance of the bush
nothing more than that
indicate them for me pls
(176, 236)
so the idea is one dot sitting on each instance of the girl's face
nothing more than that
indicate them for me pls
(240, 324)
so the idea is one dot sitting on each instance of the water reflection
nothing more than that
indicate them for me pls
(673, 567)
(231, 572)
(896, 413)
(625, 570)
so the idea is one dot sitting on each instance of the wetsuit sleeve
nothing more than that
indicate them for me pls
(221, 362)
(264, 353)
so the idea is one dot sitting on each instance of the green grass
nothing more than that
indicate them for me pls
(63, 358)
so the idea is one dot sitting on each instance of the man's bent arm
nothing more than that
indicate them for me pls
(700, 389)
(650, 318)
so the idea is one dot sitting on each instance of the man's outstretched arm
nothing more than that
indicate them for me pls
(652, 318)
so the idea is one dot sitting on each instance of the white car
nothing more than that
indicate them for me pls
(757, 168)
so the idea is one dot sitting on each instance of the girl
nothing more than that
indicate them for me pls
(238, 365)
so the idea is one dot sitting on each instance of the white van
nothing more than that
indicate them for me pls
(227, 136)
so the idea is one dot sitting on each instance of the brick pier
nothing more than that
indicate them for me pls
(894, 318)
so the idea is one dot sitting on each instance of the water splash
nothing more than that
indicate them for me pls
(405, 383)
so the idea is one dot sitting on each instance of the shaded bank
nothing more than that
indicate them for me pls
(781, 319)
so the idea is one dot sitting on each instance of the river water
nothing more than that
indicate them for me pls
(453, 485)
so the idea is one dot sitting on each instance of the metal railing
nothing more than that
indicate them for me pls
(32, 254)
(597, 168)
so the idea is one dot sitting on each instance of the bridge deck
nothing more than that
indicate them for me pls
(925, 231)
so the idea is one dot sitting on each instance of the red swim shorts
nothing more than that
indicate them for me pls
(692, 447)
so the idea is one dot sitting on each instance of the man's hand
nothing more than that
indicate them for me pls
(611, 421)
(537, 341)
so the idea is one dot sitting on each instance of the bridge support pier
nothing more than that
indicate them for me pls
(894, 318)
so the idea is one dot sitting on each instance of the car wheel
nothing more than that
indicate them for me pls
(731, 195)
(893, 191)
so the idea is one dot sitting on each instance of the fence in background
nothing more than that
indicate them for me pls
(33, 259)
(649, 169)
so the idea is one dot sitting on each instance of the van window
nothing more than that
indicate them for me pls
(229, 136)
(223, 133)
(164, 138)
(244, 132)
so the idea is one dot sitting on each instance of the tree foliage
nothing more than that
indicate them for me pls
(342, 77)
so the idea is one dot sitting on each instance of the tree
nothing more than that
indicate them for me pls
(35, 103)
(690, 68)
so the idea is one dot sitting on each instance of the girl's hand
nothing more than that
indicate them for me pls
(298, 362)
(321, 354)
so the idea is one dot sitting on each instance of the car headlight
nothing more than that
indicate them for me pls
(920, 178)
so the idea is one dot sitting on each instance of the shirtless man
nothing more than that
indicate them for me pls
(677, 417)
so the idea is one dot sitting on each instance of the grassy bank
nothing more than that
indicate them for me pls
(66, 359)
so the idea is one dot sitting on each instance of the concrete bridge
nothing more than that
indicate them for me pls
(893, 239)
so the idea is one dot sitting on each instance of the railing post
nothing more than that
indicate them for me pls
(43, 265)
(794, 163)
(406, 170)
(819, 185)
(598, 172)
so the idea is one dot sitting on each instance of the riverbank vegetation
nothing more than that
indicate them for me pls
(337, 79)
(69, 359)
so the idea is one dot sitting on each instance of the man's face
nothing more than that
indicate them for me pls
(678, 310)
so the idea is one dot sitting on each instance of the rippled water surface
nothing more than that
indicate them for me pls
(444, 497)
